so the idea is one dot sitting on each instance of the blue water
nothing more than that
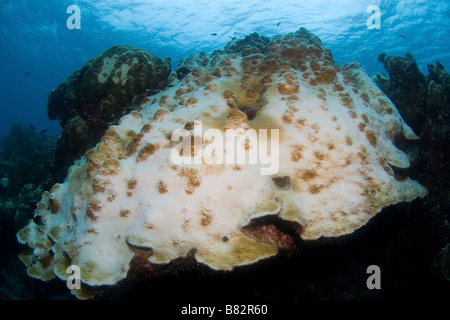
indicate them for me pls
(34, 37)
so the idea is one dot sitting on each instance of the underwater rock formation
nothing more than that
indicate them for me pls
(425, 102)
(442, 261)
(141, 199)
(25, 160)
(106, 88)
(406, 87)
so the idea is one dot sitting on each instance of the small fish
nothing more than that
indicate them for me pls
(214, 34)
(43, 131)
(403, 36)
(278, 24)
(27, 73)
(31, 127)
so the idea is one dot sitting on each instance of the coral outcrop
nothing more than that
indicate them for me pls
(425, 103)
(406, 87)
(153, 193)
(106, 88)
(25, 160)
(442, 261)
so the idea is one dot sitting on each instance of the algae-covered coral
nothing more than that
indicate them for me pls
(106, 88)
(127, 205)
(425, 102)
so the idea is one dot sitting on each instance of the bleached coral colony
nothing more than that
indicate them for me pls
(126, 197)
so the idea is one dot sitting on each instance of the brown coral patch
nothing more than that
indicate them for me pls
(325, 76)
(136, 114)
(54, 204)
(217, 73)
(210, 88)
(287, 118)
(293, 98)
(315, 127)
(206, 217)
(370, 135)
(162, 187)
(146, 128)
(315, 188)
(300, 123)
(124, 213)
(365, 118)
(134, 144)
(163, 100)
(228, 94)
(236, 119)
(159, 115)
(365, 97)
(309, 174)
(385, 166)
(111, 144)
(250, 94)
(146, 152)
(148, 225)
(361, 126)
(193, 178)
(352, 114)
(319, 155)
(226, 62)
(131, 185)
(288, 85)
(296, 153)
(111, 196)
(348, 140)
(231, 103)
(180, 92)
(93, 207)
(189, 125)
(266, 79)
(347, 101)
(99, 185)
(324, 107)
(110, 167)
(92, 230)
(95, 161)
(383, 102)
(191, 101)
(338, 87)
(362, 154)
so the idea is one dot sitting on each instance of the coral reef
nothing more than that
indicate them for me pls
(406, 87)
(425, 103)
(25, 160)
(128, 209)
(106, 88)
(442, 261)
